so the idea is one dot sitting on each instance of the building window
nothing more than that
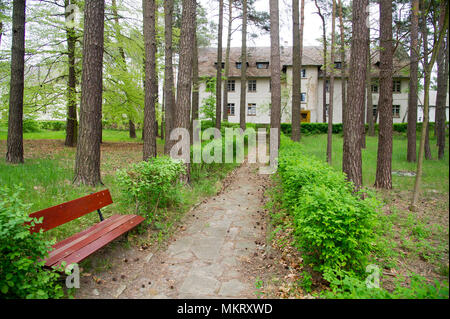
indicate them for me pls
(397, 86)
(251, 109)
(374, 88)
(303, 73)
(262, 65)
(230, 109)
(396, 111)
(223, 65)
(238, 65)
(231, 85)
(303, 97)
(338, 65)
(326, 109)
(252, 85)
(374, 110)
(327, 86)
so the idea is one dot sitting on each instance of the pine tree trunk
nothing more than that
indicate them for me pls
(71, 123)
(275, 69)
(343, 63)
(169, 94)
(369, 108)
(243, 106)
(14, 153)
(195, 87)
(219, 68)
(351, 161)
(324, 87)
(413, 83)
(296, 73)
(150, 126)
(87, 161)
(383, 177)
(227, 61)
(331, 98)
(187, 38)
(442, 86)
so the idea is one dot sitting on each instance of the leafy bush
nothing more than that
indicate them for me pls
(333, 226)
(151, 183)
(30, 126)
(53, 125)
(21, 253)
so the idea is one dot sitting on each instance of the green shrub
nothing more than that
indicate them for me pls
(150, 184)
(332, 225)
(30, 126)
(53, 125)
(21, 253)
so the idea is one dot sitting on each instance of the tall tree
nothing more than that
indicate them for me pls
(275, 68)
(351, 161)
(331, 98)
(428, 67)
(383, 177)
(342, 53)
(87, 161)
(441, 97)
(183, 99)
(296, 69)
(219, 68)
(324, 53)
(150, 86)
(369, 108)
(169, 95)
(413, 83)
(227, 60)
(71, 123)
(243, 107)
(195, 86)
(427, 80)
(14, 153)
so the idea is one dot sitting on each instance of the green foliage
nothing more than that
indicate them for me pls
(151, 183)
(353, 288)
(30, 126)
(332, 225)
(52, 125)
(21, 266)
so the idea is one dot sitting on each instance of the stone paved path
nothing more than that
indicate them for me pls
(210, 257)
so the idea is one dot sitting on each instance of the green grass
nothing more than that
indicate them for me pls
(108, 135)
(435, 172)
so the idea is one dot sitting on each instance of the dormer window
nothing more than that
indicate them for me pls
(262, 65)
(239, 64)
(223, 65)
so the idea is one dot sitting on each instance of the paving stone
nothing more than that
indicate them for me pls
(232, 288)
(196, 283)
(120, 290)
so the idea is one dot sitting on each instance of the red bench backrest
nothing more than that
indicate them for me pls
(66, 212)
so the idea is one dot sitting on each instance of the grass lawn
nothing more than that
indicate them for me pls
(409, 242)
(47, 175)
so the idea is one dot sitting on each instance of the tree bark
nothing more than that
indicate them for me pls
(324, 40)
(383, 177)
(71, 123)
(442, 85)
(351, 162)
(150, 126)
(243, 107)
(132, 129)
(195, 87)
(87, 161)
(219, 68)
(411, 152)
(331, 98)
(14, 153)
(296, 72)
(183, 102)
(169, 94)
(369, 108)
(227, 61)
(275, 68)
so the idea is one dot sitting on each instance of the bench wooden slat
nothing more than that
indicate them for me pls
(92, 234)
(82, 233)
(66, 212)
(100, 242)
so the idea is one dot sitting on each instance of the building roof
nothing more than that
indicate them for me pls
(312, 56)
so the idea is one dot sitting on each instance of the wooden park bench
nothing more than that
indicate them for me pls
(79, 246)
